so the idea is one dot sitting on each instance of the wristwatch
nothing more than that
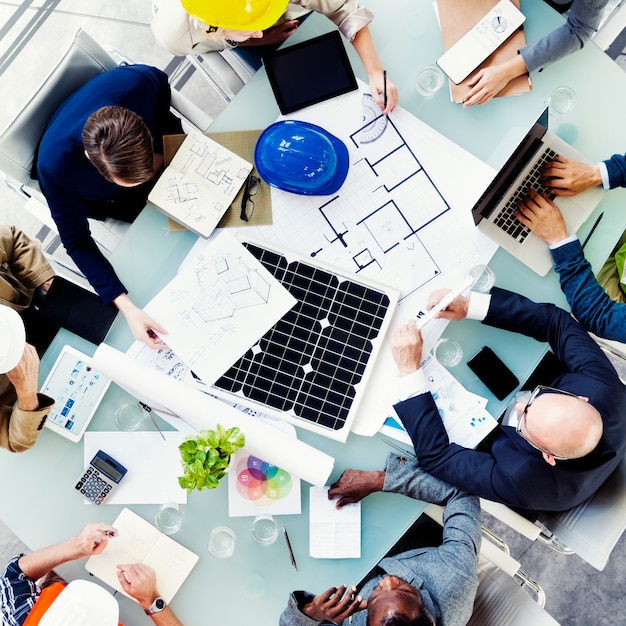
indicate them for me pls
(157, 606)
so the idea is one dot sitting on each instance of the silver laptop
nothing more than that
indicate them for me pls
(494, 211)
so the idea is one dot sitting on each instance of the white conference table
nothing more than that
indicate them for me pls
(39, 502)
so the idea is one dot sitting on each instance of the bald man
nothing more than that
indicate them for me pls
(560, 444)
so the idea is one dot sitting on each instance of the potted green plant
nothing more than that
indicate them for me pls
(205, 456)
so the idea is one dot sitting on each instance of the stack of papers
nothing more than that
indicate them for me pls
(464, 415)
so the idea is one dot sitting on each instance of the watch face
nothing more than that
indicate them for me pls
(160, 604)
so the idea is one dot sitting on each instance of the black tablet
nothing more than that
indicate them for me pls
(310, 72)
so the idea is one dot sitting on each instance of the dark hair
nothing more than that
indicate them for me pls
(119, 145)
(398, 619)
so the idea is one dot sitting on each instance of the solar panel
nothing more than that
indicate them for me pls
(310, 368)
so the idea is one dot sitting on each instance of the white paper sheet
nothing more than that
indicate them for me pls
(218, 306)
(334, 533)
(200, 411)
(153, 465)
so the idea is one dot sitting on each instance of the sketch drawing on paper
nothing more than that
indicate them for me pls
(227, 284)
(393, 219)
(218, 305)
(199, 184)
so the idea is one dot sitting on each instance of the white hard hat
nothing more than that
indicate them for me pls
(12, 338)
(82, 603)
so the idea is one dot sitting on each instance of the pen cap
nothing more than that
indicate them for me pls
(301, 158)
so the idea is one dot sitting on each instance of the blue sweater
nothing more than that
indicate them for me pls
(590, 304)
(67, 178)
(616, 167)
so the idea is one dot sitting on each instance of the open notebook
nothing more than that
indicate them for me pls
(139, 541)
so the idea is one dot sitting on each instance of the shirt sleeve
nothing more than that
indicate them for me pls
(616, 171)
(582, 22)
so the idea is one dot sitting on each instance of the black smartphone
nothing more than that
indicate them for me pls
(496, 376)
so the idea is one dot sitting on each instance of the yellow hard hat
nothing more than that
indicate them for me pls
(236, 14)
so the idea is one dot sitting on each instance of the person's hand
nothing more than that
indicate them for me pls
(354, 485)
(92, 539)
(455, 311)
(542, 216)
(46, 286)
(406, 348)
(24, 378)
(139, 582)
(333, 606)
(274, 35)
(143, 327)
(485, 85)
(565, 177)
(377, 89)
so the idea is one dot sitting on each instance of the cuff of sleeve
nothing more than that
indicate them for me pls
(410, 385)
(558, 244)
(478, 306)
(604, 172)
(357, 20)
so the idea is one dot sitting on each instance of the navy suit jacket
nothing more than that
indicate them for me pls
(68, 179)
(510, 470)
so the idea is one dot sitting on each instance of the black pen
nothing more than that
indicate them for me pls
(595, 225)
(385, 88)
(291, 556)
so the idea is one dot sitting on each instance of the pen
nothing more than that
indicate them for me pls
(595, 225)
(385, 88)
(109, 533)
(291, 556)
(148, 410)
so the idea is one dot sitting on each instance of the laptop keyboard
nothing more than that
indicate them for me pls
(506, 219)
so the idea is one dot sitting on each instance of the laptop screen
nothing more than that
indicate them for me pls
(522, 154)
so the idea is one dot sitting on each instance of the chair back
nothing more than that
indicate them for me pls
(18, 142)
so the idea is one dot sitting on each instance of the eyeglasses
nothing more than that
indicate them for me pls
(537, 391)
(247, 204)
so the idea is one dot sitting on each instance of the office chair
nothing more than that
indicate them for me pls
(504, 590)
(82, 61)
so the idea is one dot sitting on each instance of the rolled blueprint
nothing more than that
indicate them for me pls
(202, 411)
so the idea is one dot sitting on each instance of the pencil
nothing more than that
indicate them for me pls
(595, 225)
(291, 556)
(385, 88)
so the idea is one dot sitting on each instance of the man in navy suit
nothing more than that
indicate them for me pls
(568, 437)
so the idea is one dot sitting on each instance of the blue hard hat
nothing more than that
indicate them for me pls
(301, 158)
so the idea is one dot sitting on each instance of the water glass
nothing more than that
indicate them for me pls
(430, 80)
(222, 542)
(484, 278)
(169, 518)
(448, 352)
(264, 530)
(130, 416)
(561, 100)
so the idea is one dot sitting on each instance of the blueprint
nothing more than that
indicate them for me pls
(216, 307)
(402, 218)
(199, 184)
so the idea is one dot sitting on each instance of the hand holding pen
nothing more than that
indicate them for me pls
(92, 539)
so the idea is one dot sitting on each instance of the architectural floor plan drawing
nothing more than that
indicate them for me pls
(403, 215)
(199, 184)
(217, 306)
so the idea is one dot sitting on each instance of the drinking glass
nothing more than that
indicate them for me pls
(561, 100)
(222, 542)
(130, 416)
(429, 81)
(448, 352)
(264, 530)
(169, 518)
(484, 278)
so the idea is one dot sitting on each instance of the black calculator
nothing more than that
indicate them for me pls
(100, 477)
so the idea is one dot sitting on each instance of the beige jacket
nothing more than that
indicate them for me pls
(23, 268)
(182, 34)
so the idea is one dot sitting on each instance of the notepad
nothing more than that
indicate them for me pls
(200, 183)
(334, 533)
(139, 541)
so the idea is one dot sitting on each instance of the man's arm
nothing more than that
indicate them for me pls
(24, 257)
(92, 539)
(139, 582)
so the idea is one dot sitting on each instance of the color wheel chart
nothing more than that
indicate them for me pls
(255, 486)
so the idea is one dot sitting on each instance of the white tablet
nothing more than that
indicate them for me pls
(77, 390)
